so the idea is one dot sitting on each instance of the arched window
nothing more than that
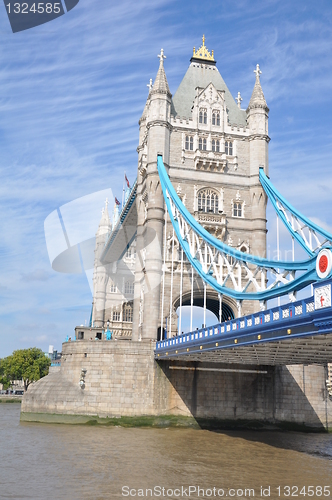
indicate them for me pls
(216, 118)
(208, 201)
(202, 144)
(189, 144)
(237, 209)
(128, 312)
(202, 117)
(228, 148)
(215, 146)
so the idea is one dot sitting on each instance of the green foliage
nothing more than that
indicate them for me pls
(27, 364)
(4, 380)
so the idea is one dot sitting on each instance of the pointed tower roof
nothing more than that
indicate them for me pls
(257, 98)
(160, 84)
(201, 72)
(105, 225)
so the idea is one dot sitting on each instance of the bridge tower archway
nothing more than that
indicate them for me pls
(212, 303)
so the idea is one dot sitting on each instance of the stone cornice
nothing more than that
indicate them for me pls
(159, 123)
(262, 137)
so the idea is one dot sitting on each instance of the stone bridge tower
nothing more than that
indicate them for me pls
(212, 150)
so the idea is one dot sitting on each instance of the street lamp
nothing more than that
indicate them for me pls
(108, 333)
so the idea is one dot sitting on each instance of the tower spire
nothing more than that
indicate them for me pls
(161, 57)
(257, 99)
(105, 223)
(160, 84)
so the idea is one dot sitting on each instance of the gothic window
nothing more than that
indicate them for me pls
(202, 144)
(202, 116)
(113, 288)
(229, 148)
(116, 315)
(128, 312)
(216, 118)
(189, 145)
(128, 253)
(129, 287)
(208, 201)
(215, 146)
(237, 209)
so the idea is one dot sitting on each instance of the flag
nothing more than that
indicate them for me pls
(117, 201)
(127, 181)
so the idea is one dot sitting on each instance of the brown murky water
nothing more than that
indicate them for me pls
(76, 462)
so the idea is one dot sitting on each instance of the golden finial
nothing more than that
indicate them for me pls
(203, 53)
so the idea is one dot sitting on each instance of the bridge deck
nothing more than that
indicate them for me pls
(124, 231)
(296, 333)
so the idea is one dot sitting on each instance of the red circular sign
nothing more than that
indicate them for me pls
(323, 263)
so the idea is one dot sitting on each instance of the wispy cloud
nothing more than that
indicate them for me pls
(36, 275)
(73, 90)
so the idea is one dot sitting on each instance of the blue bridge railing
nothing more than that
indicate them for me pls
(296, 319)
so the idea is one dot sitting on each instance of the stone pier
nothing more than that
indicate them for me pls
(116, 379)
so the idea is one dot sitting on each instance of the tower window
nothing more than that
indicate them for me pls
(237, 209)
(202, 144)
(129, 287)
(208, 201)
(116, 315)
(128, 253)
(216, 118)
(228, 148)
(202, 116)
(189, 144)
(128, 312)
(215, 146)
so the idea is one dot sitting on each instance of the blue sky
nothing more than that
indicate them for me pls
(73, 90)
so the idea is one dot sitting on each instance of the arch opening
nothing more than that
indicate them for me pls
(212, 310)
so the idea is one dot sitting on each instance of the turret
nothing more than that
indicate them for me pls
(257, 118)
(154, 139)
(158, 115)
(100, 274)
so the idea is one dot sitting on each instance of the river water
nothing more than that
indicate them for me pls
(46, 462)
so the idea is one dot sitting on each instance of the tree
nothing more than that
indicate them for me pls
(27, 364)
(4, 380)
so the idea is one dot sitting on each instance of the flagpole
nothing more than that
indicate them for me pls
(123, 190)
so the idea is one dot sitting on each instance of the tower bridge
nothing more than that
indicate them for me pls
(192, 231)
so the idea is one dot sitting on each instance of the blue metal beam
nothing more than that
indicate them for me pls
(298, 320)
(177, 210)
